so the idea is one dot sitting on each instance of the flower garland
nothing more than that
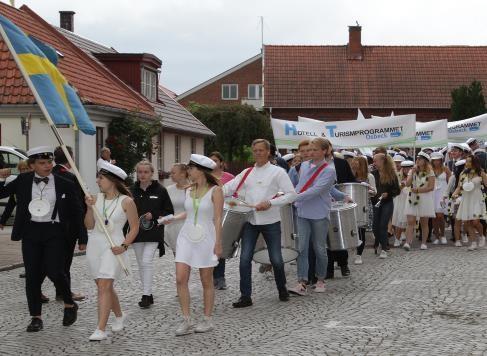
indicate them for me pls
(420, 176)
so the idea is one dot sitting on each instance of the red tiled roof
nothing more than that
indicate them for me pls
(95, 84)
(387, 77)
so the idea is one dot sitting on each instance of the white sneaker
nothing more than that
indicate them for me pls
(423, 247)
(436, 242)
(481, 241)
(300, 289)
(358, 260)
(205, 325)
(443, 240)
(397, 243)
(403, 236)
(118, 324)
(407, 247)
(473, 246)
(465, 239)
(458, 243)
(383, 254)
(320, 287)
(98, 335)
(185, 328)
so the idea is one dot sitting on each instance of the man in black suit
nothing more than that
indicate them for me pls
(46, 205)
(62, 168)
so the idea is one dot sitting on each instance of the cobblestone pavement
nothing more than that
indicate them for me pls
(418, 303)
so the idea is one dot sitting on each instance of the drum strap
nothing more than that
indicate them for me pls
(247, 172)
(313, 177)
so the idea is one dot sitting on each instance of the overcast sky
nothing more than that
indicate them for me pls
(198, 39)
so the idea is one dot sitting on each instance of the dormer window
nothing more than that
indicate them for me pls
(149, 84)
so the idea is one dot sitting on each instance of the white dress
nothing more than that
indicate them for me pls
(171, 231)
(102, 263)
(399, 218)
(472, 204)
(198, 254)
(425, 205)
(440, 189)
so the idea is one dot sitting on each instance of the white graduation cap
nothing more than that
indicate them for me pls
(398, 158)
(424, 155)
(202, 162)
(407, 163)
(42, 152)
(288, 157)
(112, 170)
(436, 155)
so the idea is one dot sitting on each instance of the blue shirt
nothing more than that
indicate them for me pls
(315, 202)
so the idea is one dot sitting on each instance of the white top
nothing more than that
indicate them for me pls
(371, 181)
(48, 192)
(262, 184)
(177, 196)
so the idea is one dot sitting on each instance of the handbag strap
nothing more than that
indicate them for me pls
(244, 178)
(313, 177)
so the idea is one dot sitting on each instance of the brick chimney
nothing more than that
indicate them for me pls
(66, 20)
(355, 42)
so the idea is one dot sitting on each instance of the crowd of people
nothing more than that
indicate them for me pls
(406, 195)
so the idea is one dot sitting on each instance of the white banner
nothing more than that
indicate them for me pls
(354, 133)
(461, 131)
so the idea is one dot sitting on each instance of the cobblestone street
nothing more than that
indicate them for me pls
(421, 302)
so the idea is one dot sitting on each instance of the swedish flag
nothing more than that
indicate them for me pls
(38, 62)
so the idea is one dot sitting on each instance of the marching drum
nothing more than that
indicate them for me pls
(343, 229)
(234, 219)
(360, 195)
(288, 237)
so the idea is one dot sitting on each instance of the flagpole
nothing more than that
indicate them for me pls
(61, 142)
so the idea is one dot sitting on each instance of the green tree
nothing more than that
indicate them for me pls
(130, 140)
(467, 101)
(235, 126)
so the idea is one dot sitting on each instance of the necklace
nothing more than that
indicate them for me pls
(196, 202)
(112, 202)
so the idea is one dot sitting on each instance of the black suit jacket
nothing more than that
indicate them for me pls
(63, 172)
(69, 205)
(343, 171)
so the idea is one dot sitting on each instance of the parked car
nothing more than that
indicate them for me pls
(10, 158)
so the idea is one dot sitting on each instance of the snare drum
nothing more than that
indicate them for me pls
(360, 195)
(288, 237)
(343, 230)
(234, 219)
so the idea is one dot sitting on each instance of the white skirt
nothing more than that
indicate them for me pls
(196, 254)
(472, 206)
(425, 207)
(102, 263)
(399, 218)
(438, 202)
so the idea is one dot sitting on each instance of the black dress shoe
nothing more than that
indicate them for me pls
(145, 302)
(35, 325)
(151, 299)
(243, 302)
(22, 275)
(284, 296)
(44, 299)
(345, 271)
(70, 315)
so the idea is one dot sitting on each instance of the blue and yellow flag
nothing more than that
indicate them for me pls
(38, 61)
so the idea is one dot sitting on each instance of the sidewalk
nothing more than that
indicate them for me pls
(10, 251)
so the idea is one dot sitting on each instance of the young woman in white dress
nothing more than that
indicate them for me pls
(399, 218)
(472, 204)
(116, 207)
(177, 194)
(442, 174)
(199, 242)
(420, 203)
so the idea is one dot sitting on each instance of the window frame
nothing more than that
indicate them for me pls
(177, 148)
(229, 86)
(258, 91)
(148, 83)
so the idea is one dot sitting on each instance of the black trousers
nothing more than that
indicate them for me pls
(341, 257)
(361, 234)
(44, 252)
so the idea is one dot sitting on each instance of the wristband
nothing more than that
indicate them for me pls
(125, 246)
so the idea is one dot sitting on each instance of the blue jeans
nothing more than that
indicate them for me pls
(314, 230)
(272, 237)
(219, 270)
(382, 215)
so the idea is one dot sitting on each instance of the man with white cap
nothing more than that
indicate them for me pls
(259, 186)
(46, 205)
(474, 145)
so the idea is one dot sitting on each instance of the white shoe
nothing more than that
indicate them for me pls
(397, 243)
(383, 254)
(403, 236)
(407, 247)
(436, 242)
(443, 240)
(98, 335)
(118, 324)
(320, 287)
(465, 239)
(358, 260)
(473, 246)
(458, 243)
(185, 328)
(300, 289)
(423, 247)
(481, 241)
(205, 325)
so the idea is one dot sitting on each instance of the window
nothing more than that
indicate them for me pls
(99, 140)
(177, 149)
(149, 84)
(193, 145)
(9, 160)
(229, 91)
(254, 91)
